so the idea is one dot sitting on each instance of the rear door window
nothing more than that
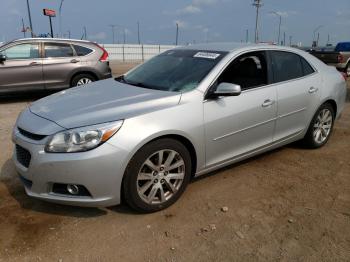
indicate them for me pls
(58, 50)
(22, 51)
(81, 50)
(286, 66)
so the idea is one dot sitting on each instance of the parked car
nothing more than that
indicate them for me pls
(184, 113)
(44, 63)
(338, 57)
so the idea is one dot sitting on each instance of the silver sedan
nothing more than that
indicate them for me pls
(189, 111)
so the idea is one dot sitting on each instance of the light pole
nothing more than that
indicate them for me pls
(60, 15)
(113, 32)
(279, 26)
(23, 29)
(314, 34)
(138, 33)
(30, 19)
(257, 4)
(177, 33)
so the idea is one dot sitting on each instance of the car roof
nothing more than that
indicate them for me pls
(232, 47)
(51, 40)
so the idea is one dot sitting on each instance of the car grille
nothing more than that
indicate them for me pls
(30, 135)
(23, 156)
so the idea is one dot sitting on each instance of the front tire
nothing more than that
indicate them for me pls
(157, 175)
(321, 127)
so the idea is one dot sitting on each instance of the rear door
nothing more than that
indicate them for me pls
(59, 63)
(22, 69)
(298, 93)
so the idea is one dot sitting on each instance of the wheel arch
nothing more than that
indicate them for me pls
(333, 103)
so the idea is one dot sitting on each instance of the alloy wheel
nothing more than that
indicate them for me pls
(322, 126)
(160, 176)
(84, 81)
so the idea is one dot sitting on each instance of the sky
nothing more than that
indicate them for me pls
(198, 20)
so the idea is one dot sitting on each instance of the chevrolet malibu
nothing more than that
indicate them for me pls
(182, 114)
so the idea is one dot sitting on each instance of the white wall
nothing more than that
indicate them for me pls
(134, 52)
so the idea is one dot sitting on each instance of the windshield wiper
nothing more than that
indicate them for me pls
(138, 84)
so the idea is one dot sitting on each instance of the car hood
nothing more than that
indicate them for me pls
(100, 102)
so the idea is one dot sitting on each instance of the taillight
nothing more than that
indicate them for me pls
(340, 58)
(105, 55)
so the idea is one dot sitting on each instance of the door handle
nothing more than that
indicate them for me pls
(313, 90)
(267, 103)
(74, 61)
(34, 64)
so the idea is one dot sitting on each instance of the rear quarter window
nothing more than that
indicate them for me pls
(307, 68)
(81, 50)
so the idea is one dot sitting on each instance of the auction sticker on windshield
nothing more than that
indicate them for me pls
(207, 55)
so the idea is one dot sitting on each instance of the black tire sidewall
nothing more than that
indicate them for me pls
(131, 195)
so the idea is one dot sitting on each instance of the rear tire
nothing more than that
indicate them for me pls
(157, 175)
(82, 79)
(320, 128)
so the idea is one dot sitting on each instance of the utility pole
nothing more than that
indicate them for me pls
(68, 34)
(60, 16)
(113, 32)
(247, 36)
(177, 33)
(318, 38)
(23, 29)
(279, 26)
(290, 40)
(30, 19)
(124, 36)
(284, 38)
(257, 4)
(138, 33)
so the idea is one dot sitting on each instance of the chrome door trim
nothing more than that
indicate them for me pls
(246, 155)
(244, 129)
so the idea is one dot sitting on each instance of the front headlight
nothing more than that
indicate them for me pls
(82, 139)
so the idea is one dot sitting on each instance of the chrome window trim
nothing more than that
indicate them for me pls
(23, 43)
(264, 86)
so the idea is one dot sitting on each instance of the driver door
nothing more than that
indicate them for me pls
(237, 125)
(22, 69)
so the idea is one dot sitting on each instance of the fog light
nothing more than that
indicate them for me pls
(73, 189)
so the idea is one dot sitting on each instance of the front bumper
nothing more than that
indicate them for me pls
(100, 171)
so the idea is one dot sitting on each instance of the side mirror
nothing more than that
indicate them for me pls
(227, 89)
(2, 57)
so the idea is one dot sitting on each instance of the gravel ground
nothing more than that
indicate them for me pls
(290, 204)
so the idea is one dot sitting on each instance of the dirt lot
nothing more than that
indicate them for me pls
(290, 204)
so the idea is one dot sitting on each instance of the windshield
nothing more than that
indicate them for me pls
(174, 70)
